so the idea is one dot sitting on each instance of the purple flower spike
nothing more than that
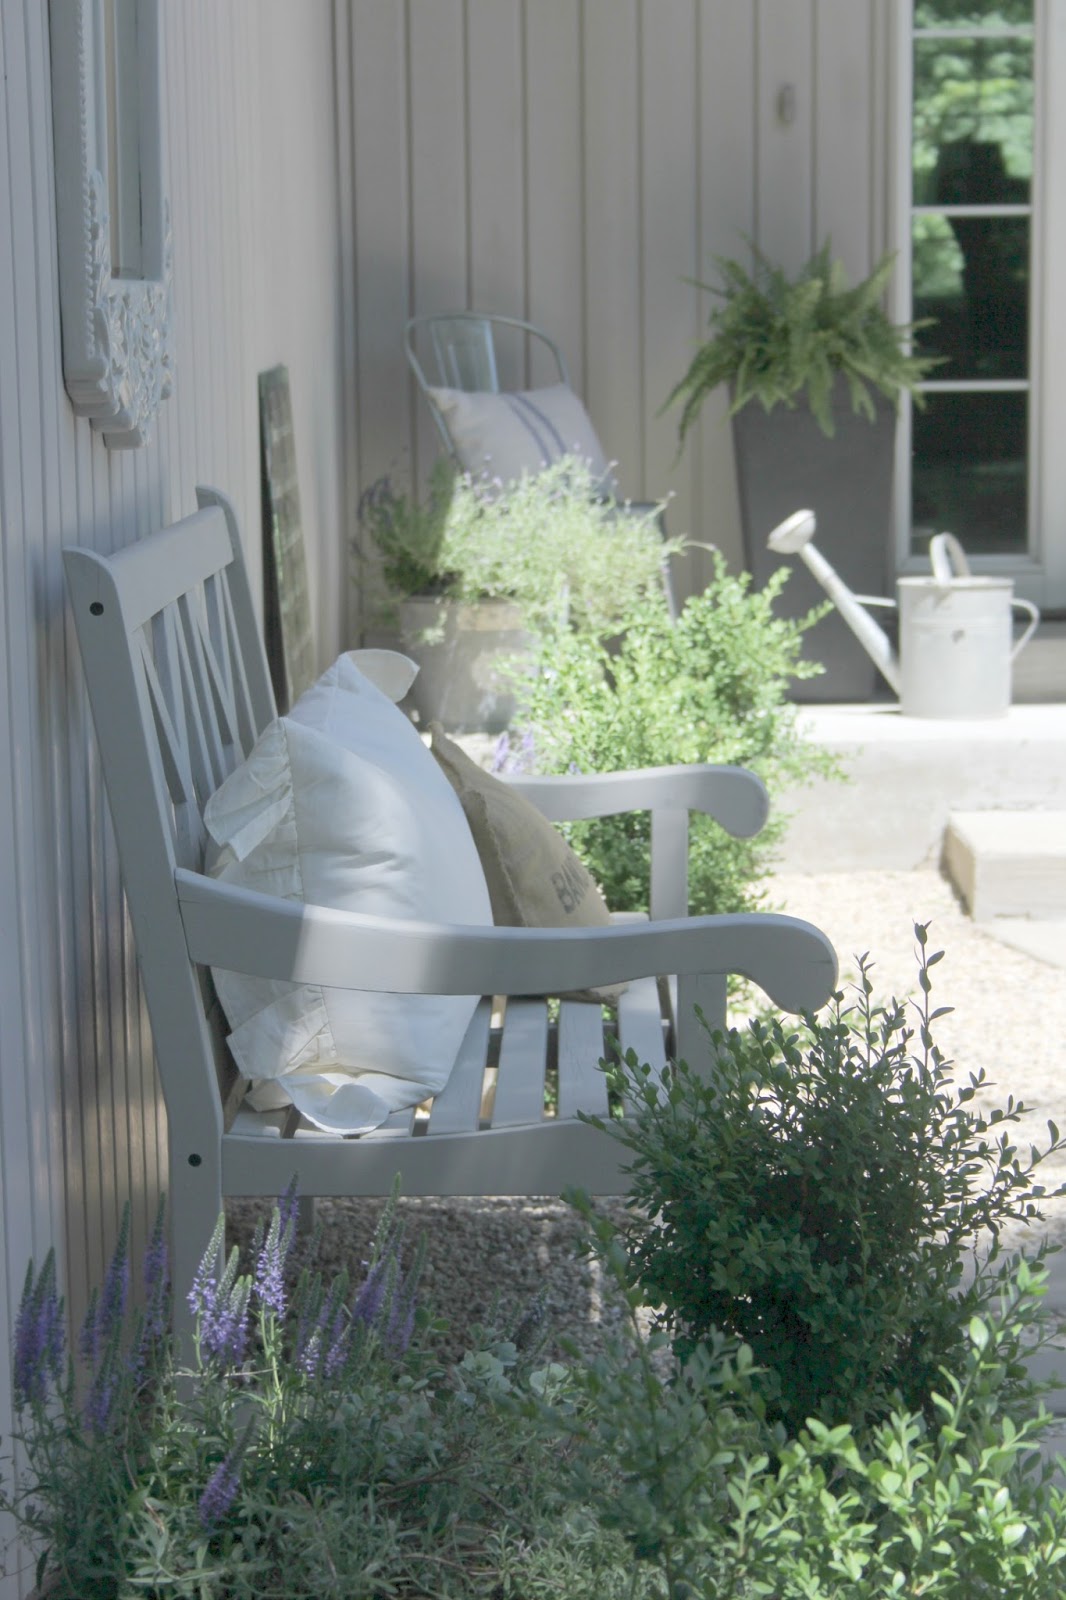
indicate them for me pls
(221, 1490)
(501, 754)
(87, 1341)
(156, 1280)
(401, 1324)
(288, 1206)
(112, 1304)
(270, 1267)
(224, 1326)
(39, 1337)
(101, 1399)
(371, 1297)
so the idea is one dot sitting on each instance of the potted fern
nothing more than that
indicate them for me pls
(814, 369)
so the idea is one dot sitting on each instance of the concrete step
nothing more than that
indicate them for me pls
(908, 775)
(1008, 863)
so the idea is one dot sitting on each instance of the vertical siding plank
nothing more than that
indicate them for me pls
(555, 199)
(440, 240)
(495, 120)
(727, 109)
(613, 286)
(784, 172)
(843, 198)
(670, 244)
(381, 197)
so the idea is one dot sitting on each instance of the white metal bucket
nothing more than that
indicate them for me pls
(955, 645)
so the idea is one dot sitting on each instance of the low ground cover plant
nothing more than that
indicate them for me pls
(711, 686)
(315, 1447)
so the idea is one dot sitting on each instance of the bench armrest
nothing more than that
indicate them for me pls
(734, 797)
(244, 931)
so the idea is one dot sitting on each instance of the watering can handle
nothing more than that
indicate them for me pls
(947, 558)
(1034, 618)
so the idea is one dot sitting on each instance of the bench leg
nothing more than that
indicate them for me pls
(194, 1201)
(693, 1041)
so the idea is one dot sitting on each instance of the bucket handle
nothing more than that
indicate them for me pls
(947, 558)
(1034, 618)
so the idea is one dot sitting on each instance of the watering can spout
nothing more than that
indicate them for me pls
(793, 537)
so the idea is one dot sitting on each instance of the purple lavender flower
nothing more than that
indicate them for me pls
(323, 1338)
(288, 1206)
(401, 1323)
(39, 1336)
(224, 1324)
(156, 1279)
(221, 1490)
(501, 753)
(371, 1297)
(87, 1343)
(99, 1404)
(270, 1265)
(220, 1304)
(112, 1303)
(204, 1284)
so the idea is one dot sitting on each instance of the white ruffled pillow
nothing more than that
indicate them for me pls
(506, 435)
(340, 804)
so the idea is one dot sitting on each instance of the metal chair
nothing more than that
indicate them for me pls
(469, 350)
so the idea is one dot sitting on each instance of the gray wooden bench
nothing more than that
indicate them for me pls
(179, 688)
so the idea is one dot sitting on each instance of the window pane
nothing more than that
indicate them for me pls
(969, 472)
(971, 274)
(973, 121)
(972, 13)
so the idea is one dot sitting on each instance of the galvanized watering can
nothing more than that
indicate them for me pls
(955, 648)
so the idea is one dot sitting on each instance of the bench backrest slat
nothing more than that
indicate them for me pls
(180, 689)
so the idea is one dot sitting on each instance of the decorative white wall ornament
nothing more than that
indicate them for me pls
(112, 218)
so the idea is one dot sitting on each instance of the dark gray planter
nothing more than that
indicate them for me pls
(785, 463)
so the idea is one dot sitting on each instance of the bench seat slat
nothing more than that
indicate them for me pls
(457, 1108)
(640, 1023)
(523, 1056)
(582, 1085)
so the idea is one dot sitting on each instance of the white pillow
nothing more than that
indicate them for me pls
(340, 804)
(506, 435)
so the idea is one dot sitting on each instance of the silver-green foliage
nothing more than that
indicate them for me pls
(708, 687)
(777, 340)
(550, 542)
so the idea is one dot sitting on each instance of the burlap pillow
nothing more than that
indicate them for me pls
(534, 878)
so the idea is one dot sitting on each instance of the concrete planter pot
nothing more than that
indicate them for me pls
(785, 463)
(461, 648)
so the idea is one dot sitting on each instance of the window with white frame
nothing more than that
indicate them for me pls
(970, 216)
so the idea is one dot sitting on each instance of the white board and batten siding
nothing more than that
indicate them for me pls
(574, 162)
(252, 160)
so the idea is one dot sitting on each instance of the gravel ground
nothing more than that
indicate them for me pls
(489, 1261)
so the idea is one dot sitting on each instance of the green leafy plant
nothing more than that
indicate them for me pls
(716, 1505)
(408, 533)
(548, 542)
(818, 1196)
(710, 686)
(776, 340)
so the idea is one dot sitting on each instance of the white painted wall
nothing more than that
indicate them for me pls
(574, 162)
(252, 156)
